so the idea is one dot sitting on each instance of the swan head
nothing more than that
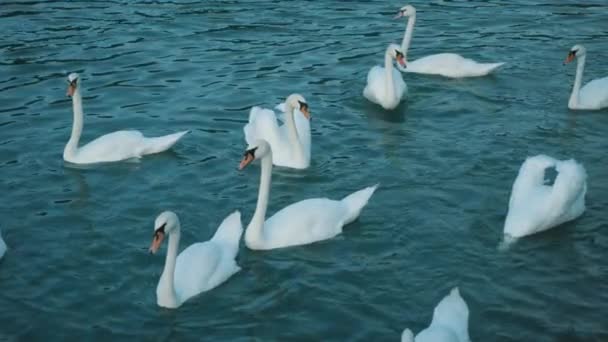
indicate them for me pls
(407, 336)
(394, 51)
(406, 11)
(73, 83)
(577, 51)
(299, 102)
(165, 224)
(257, 150)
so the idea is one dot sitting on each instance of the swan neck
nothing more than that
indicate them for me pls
(166, 285)
(72, 146)
(255, 234)
(388, 67)
(578, 80)
(407, 36)
(294, 139)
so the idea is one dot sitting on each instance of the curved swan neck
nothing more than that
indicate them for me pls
(255, 233)
(165, 292)
(388, 67)
(578, 80)
(72, 146)
(407, 36)
(294, 139)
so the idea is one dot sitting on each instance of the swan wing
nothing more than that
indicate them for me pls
(594, 94)
(194, 268)
(262, 125)
(114, 146)
(305, 222)
(375, 86)
(450, 65)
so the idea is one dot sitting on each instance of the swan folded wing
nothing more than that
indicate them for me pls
(195, 267)
(262, 125)
(305, 222)
(568, 192)
(375, 84)
(594, 94)
(114, 146)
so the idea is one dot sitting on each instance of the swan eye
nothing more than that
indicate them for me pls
(73, 82)
(160, 230)
(399, 54)
(303, 105)
(250, 152)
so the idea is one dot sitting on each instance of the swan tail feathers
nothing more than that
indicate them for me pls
(453, 312)
(160, 144)
(356, 201)
(490, 67)
(229, 232)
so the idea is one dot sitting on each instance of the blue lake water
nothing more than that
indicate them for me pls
(78, 268)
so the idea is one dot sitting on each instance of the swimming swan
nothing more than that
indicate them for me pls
(385, 86)
(201, 266)
(111, 147)
(290, 142)
(444, 64)
(300, 223)
(594, 95)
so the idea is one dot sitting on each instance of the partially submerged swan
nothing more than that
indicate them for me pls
(535, 206)
(112, 147)
(450, 322)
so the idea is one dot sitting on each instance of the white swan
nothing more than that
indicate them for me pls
(2, 246)
(535, 206)
(291, 141)
(450, 322)
(594, 95)
(201, 266)
(111, 147)
(300, 223)
(385, 86)
(444, 64)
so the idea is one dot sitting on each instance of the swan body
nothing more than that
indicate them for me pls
(535, 206)
(2, 246)
(444, 64)
(300, 223)
(291, 141)
(594, 95)
(116, 146)
(385, 86)
(201, 266)
(450, 322)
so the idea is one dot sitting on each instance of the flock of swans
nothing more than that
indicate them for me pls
(536, 204)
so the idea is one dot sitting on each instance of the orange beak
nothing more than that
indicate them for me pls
(401, 61)
(157, 240)
(305, 112)
(71, 90)
(247, 159)
(570, 57)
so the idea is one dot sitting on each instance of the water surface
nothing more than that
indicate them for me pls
(78, 268)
